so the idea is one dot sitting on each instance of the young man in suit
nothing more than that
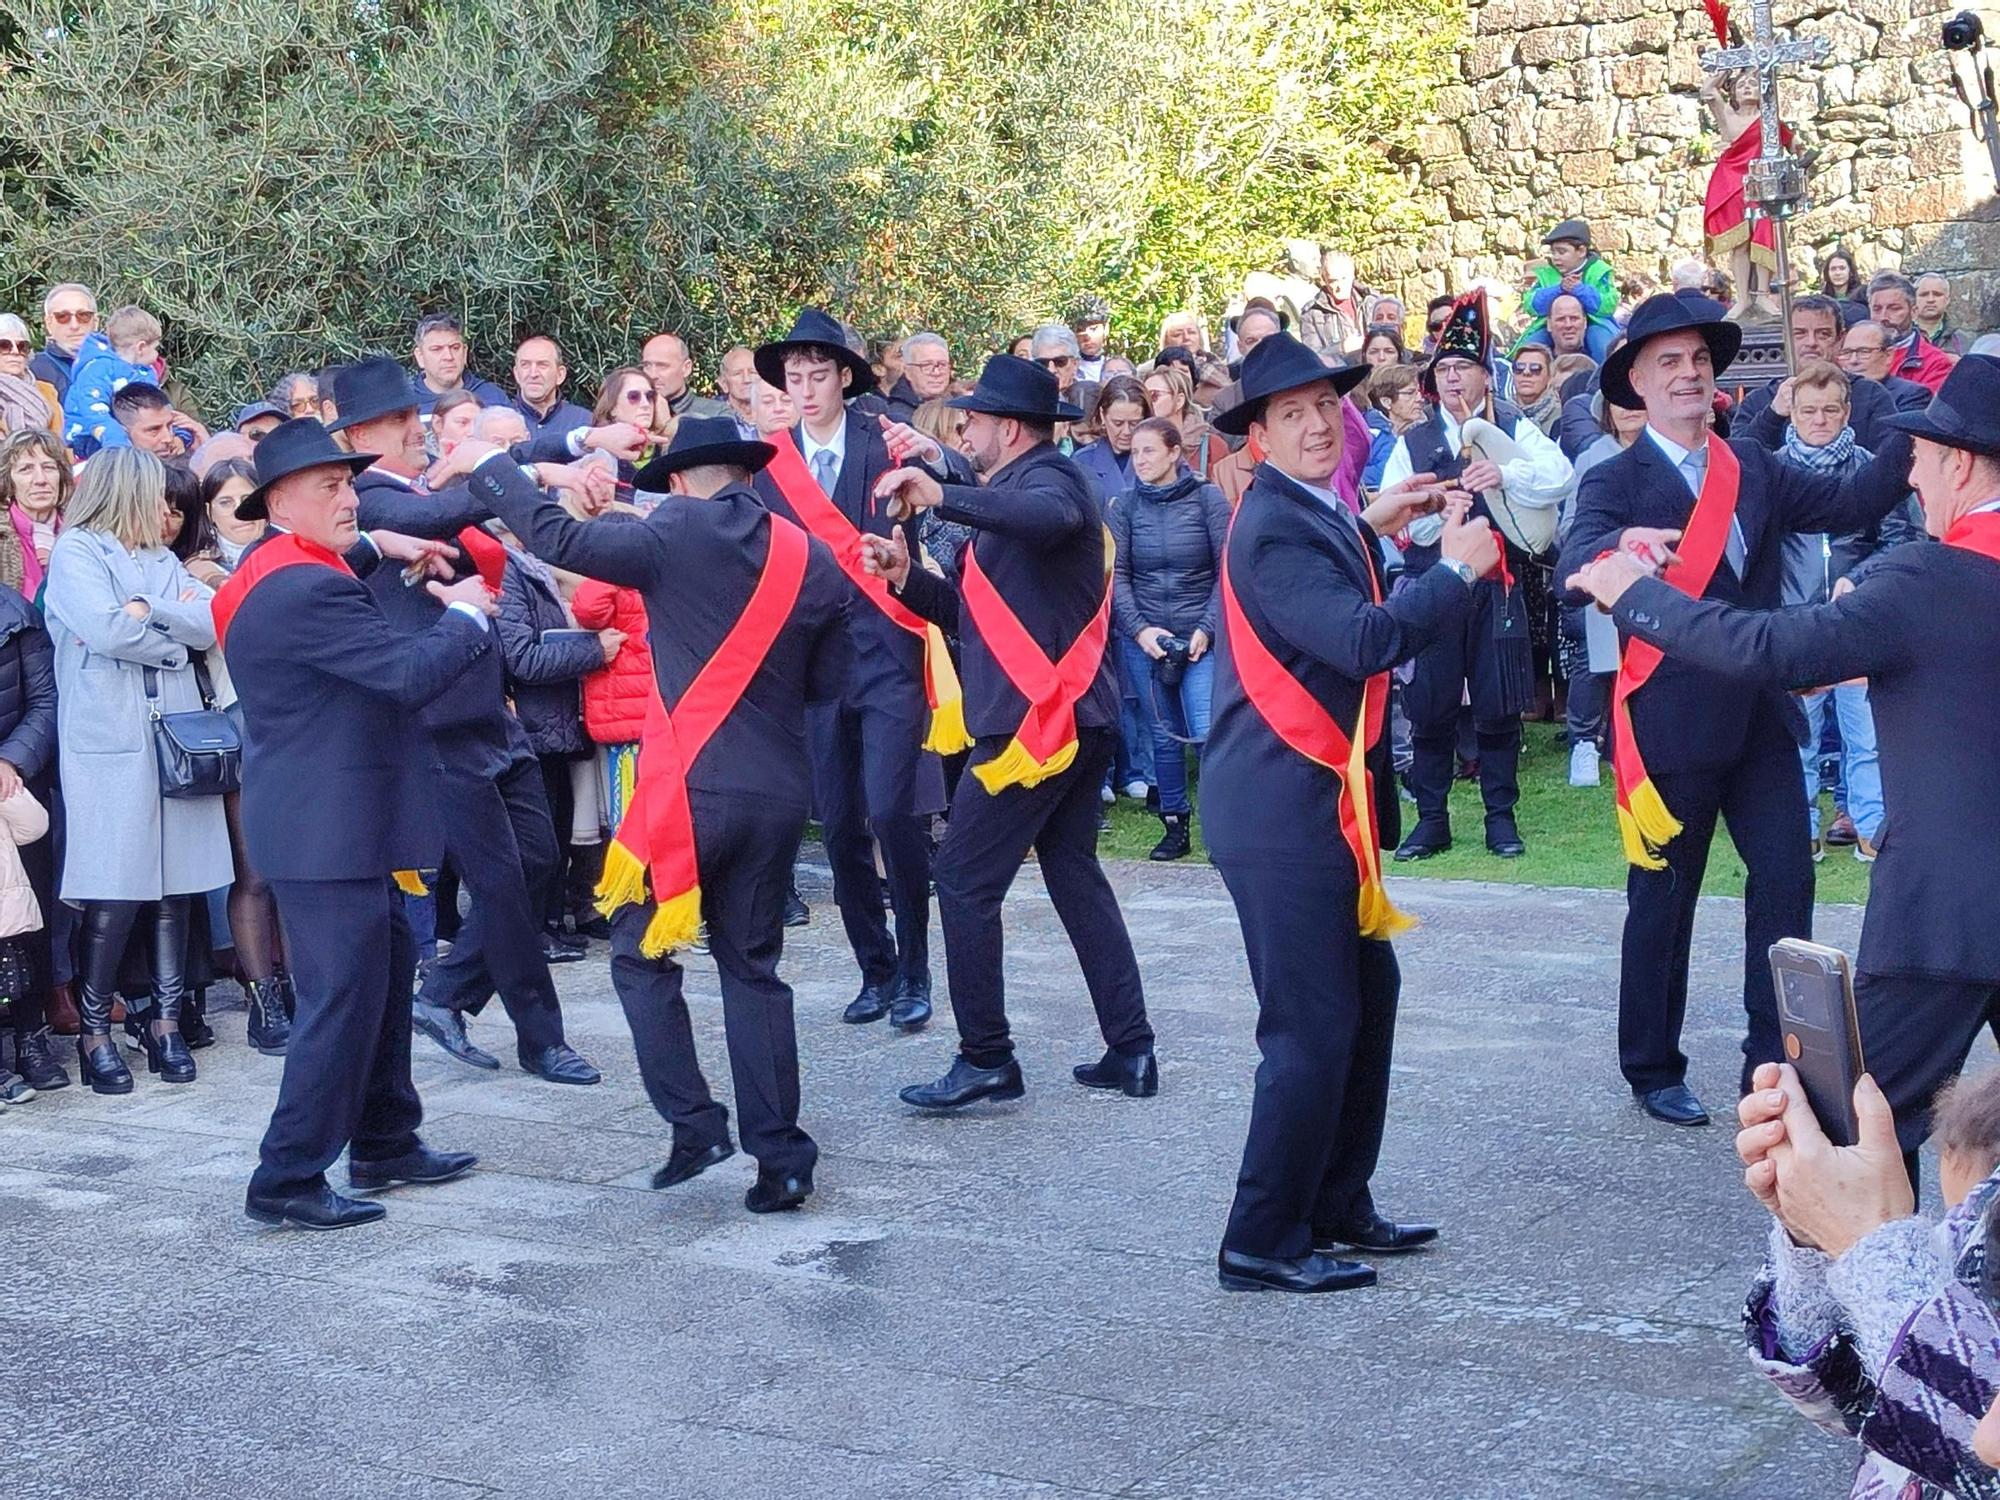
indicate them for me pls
(733, 757)
(339, 794)
(1031, 607)
(1691, 746)
(1297, 814)
(1923, 626)
(871, 775)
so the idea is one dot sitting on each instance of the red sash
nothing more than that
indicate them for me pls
(1305, 727)
(284, 550)
(656, 839)
(1045, 744)
(1644, 823)
(487, 554)
(1978, 532)
(825, 520)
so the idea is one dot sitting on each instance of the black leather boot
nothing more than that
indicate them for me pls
(166, 1049)
(270, 1030)
(195, 1030)
(282, 978)
(1174, 843)
(97, 1058)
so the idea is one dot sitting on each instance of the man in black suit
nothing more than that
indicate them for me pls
(1818, 327)
(1923, 626)
(339, 792)
(499, 836)
(1691, 746)
(868, 748)
(1297, 835)
(1032, 611)
(697, 560)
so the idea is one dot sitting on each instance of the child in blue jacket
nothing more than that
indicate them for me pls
(127, 350)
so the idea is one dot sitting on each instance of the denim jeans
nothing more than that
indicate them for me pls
(1170, 713)
(1134, 761)
(1860, 768)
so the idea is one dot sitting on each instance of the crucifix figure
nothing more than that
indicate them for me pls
(1757, 169)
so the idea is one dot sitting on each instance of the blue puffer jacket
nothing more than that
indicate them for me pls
(95, 378)
(27, 688)
(544, 677)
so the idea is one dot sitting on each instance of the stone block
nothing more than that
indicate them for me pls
(1638, 77)
(1453, 101)
(1882, 83)
(1652, 33)
(1585, 168)
(1916, 202)
(1850, 39)
(1487, 56)
(1872, 173)
(1585, 126)
(1439, 142)
(1675, 116)
(1684, 69)
(1553, 44)
(1470, 199)
(1939, 156)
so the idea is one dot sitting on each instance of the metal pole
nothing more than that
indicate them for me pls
(1781, 228)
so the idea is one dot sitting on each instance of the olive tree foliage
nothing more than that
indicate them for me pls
(289, 184)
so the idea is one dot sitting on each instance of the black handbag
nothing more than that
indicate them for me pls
(199, 752)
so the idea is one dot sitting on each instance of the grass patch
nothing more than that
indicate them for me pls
(1571, 832)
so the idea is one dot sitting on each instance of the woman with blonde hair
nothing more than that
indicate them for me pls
(26, 401)
(1170, 397)
(129, 625)
(35, 485)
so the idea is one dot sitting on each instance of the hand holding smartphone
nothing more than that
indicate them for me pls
(1819, 1030)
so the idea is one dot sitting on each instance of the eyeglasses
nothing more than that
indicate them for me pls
(929, 366)
(1438, 326)
(1056, 361)
(637, 397)
(73, 315)
(12, 346)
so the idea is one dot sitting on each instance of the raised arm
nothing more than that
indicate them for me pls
(1313, 605)
(344, 635)
(441, 514)
(1809, 501)
(615, 553)
(1042, 515)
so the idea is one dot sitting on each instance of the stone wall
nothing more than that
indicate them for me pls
(1589, 108)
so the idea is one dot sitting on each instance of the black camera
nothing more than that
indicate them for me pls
(1172, 665)
(1963, 32)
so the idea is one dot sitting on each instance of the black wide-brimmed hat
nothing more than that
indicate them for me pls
(373, 388)
(1467, 334)
(289, 448)
(1010, 386)
(698, 441)
(1278, 364)
(1662, 313)
(1965, 412)
(814, 330)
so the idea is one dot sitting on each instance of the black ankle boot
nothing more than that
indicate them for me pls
(195, 1030)
(289, 992)
(97, 1056)
(1174, 843)
(270, 1030)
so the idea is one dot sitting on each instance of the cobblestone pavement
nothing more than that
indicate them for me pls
(1020, 1303)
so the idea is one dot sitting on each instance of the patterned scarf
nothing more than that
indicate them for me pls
(1545, 412)
(1829, 458)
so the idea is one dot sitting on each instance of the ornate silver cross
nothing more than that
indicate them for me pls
(1776, 184)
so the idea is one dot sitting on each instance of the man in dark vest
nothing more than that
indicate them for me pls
(498, 833)
(871, 774)
(1032, 611)
(743, 611)
(1923, 626)
(1298, 801)
(1489, 663)
(339, 792)
(1690, 745)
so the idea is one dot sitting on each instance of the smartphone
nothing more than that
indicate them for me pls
(1821, 1036)
(567, 633)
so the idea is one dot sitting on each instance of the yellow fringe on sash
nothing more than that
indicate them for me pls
(1646, 826)
(675, 924)
(1377, 915)
(623, 882)
(1014, 766)
(410, 883)
(948, 734)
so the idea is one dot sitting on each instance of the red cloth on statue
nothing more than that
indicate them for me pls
(1725, 214)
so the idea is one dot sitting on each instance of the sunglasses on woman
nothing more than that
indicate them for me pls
(13, 346)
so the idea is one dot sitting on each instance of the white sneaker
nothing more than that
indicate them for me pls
(1583, 760)
(1108, 795)
(1137, 790)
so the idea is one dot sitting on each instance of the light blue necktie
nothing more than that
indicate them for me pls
(1694, 468)
(823, 469)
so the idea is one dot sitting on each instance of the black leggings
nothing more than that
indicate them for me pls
(106, 929)
(253, 911)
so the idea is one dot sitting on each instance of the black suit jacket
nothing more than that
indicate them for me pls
(1686, 717)
(339, 775)
(1924, 628)
(1302, 576)
(475, 732)
(1041, 540)
(695, 562)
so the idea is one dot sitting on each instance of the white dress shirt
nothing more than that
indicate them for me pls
(835, 445)
(1692, 466)
(1540, 477)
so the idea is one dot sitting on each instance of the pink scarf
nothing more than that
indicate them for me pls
(31, 562)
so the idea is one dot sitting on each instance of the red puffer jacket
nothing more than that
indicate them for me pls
(615, 697)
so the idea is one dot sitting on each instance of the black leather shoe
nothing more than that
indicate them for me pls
(1379, 1236)
(559, 1064)
(872, 1004)
(1306, 1273)
(167, 1056)
(100, 1067)
(773, 1192)
(965, 1084)
(797, 913)
(685, 1164)
(315, 1208)
(1425, 841)
(421, 1166)
(1676, 1104)
(556, 951)
(912, 1006)
(446, 1027)
(1504, 839)
(594, 925)
(1138, 1077)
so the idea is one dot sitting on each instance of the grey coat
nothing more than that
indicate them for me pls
(124, 841)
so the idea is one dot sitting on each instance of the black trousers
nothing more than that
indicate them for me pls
(865, 760)
(1762, 800)
(745, 851)
(1470, 664)
(989, 838)
(347, 1069)
(1915, 1034)
(1326, 1023)
(499, 838)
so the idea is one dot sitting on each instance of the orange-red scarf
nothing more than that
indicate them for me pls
(1304, 726)
(1978, 532)
(1045, 744)
(825, 520)
(656, 839)
(1644, 823)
